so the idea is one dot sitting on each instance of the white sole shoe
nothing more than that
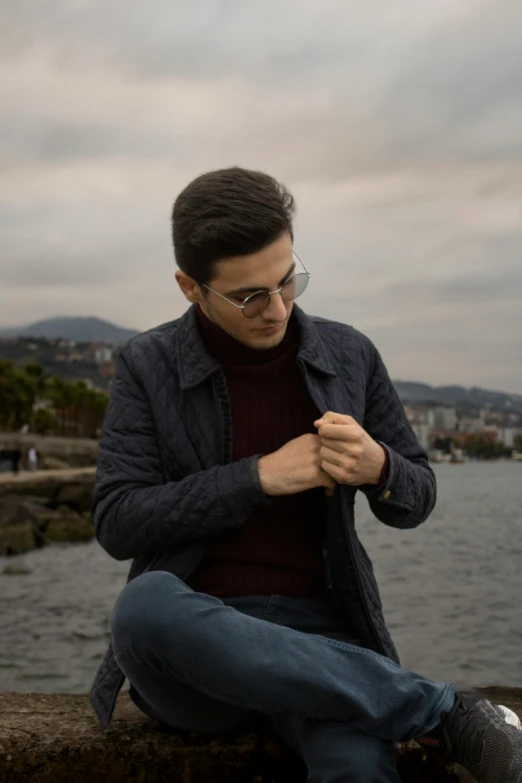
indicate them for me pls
(509, 716)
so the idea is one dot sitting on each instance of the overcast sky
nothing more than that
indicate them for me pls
(397, 125)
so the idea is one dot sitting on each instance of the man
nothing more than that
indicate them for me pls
(16, 456)
(234, 443)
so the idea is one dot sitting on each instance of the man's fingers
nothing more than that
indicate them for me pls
(329, 455)
(340, 431)
(334, 471)
(333, 444)
(329, 483)
(334, 418)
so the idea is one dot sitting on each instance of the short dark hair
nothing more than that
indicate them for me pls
(230, 212)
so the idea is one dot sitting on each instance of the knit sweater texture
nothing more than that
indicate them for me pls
(277, 551)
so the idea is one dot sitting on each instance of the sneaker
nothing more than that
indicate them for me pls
(483, 738)
(508, 715)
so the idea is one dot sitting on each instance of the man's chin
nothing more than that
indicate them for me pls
(263, 340)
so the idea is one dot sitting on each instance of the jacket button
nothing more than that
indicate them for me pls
(387, 494)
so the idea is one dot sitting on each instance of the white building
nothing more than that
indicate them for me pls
(470, 425)
(442, 417)
(103, 355)
(422, 434)
(507, 435)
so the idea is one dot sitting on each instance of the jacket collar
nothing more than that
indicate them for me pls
(196, 363)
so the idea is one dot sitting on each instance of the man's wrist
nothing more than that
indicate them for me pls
(264, 476)
(382, 468)
(385, 470)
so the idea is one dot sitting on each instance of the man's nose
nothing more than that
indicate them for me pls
(276, 310)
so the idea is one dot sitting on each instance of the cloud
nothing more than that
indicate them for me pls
(460, 96)
(398, 126)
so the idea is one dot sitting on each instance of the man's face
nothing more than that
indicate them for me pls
(240, 276)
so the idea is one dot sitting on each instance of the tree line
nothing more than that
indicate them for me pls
(31, 397)
(478, 445)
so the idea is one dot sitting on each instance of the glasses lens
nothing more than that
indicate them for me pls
(295, 286)
(257, 304)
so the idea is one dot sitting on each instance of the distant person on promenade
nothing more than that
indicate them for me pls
(16, 456)
(234, 443)
(32, 459)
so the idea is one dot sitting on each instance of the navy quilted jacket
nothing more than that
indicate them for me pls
(166, 482)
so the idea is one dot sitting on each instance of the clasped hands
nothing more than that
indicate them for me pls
(348, 454)
(340, 453)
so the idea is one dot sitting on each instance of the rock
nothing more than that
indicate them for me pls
(50, 738)
(18, 532)
(16, 570)
(29, 522)
(76, 494)
(53, 463)
(68, 525)
(18, 509)
(17, 539)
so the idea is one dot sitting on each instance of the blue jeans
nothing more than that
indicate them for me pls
(200, 663)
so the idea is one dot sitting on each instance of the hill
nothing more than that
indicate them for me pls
(90, 329)
(410, 391)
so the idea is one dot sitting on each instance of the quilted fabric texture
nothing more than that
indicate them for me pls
(166, 484)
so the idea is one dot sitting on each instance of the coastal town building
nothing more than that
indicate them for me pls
(509, 435)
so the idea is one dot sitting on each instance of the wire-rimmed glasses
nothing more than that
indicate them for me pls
(255, 304)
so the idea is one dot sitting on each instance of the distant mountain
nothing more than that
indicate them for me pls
(89, 329)
(409, 391)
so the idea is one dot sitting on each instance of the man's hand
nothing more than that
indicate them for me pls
(348, 453)
(295, 467)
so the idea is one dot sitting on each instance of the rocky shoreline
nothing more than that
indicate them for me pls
(44, 507)
(51, 504)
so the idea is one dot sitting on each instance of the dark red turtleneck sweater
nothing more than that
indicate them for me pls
(277, 551)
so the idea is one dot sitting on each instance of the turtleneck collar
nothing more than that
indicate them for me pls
(227, 349)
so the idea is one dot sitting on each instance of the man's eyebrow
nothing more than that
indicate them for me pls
(254, 289)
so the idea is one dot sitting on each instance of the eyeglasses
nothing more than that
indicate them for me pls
(256, 303)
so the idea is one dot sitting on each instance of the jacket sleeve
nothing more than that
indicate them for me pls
(409, 494)
(135, 510)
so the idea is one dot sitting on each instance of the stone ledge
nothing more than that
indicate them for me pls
(48, 738)
(42, 481)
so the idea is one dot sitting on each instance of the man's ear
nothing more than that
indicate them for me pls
(190, 289)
